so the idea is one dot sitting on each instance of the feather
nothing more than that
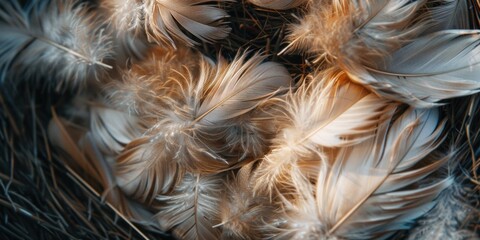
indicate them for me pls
(139, 86)
(329, 112)
(359, 31)
(446, 220)
(184, 20)
(191, 210)
(432, 68)
(242, 214)
(455, 14)
(278, 4)
(84, 156)
(196, 117)
(374, 188)
(55, 40)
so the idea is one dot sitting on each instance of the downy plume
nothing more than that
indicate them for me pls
(438, 66)
(329, 112)
(169, 20)
(139, 87)
(373, 189)
(243, 214)
(192, 209)
(56, 40)
(208, 122)
(278, 4)
(359, 31)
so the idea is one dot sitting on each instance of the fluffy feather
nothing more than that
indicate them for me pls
(169, 20)
(126, 18)
(205, 123)
(360, 31)
(50, 39)
(278, 4)
(439, 66)
(191, 210)
(329, 112)
(372, 189)
(243, 214)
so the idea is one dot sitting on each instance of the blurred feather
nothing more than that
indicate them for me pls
(191, 210)
(278, 4)
(206, 123)
(243, 214)
(438, 66)
(455, 14)
(329, 112)
(370, 190)
(359, 31)
(185, 20)
(58, 40)
(447, 219)
(126, 18)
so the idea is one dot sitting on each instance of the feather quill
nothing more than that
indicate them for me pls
(278, 4)
(432, 68)
(191, 210)
(372, 189)
(184, 20)
(329, 112)
(63, 41)
(206, 123)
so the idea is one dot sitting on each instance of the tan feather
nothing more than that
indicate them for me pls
(329, 112)
(278, 4)
(206, 123)
(192, 209)
(372, 189)
(166, 21)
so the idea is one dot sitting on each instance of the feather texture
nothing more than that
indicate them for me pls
(329, 112)
(455, 14)
(446, 220)
(169, 20)
(438, 66)
(205, 123)
(242, 214)
(370, 190)
(278, 4)
(51, 39)
(359, 31)
(191, 210)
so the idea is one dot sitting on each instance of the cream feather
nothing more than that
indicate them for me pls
(186, 20)
(438, 66)
(373, 189)
(360, 31)
(51, 39)
(192, 209)
(329, 112)
(278, 4)
(205, 123)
